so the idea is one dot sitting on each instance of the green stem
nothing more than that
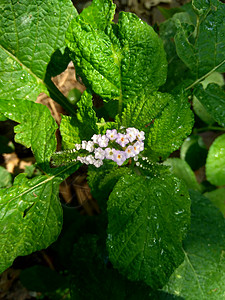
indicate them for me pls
(204, 76)
(209, 128)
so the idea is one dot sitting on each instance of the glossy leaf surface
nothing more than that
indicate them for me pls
(215, 164)
(202, 274)
(148, 219)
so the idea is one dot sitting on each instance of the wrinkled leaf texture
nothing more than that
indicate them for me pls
(116, 60)
(30, 34)
(148, 219)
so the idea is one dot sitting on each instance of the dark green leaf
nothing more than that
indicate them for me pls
(177, 70)
(36, 130)
(213, 100)
(215, 164)
(116, 60)
(201, 276)
(93, 278)
(5, 145)
(217, 197)
(203, 52)
(148, 219)
(42, 279)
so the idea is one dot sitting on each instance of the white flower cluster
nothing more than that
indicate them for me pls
(113, 146)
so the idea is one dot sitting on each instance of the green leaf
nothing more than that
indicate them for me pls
(213, 100)
(5, 178)
(30, 217)
(30, 33)
(194, 152)
(81, 127)
(215, 164)
(148, 219)
(201, 6)
(36, 130)
(201, 276)
(183, 171)
(203, 52)
(217, 197)
(166, 120)
(142, 111)
(116, 60)
(103, 180)
(42, 279)
(177, 70)
(88, 269)
(5, 145)
(170, 128)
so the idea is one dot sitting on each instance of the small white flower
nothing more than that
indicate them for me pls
(89, 160)
(95, 138)
(99, 153)
(103, 141)
(109, 153)
(131, 133)
(111, 134)
(141, 135)
(83, 145)
(122, 139)
(138, 147)
(77, 146)
(130, 151)
(90, 146)
(81, 159)
(98, 163)
(119, 157)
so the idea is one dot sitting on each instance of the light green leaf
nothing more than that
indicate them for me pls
(148, 219)
(143, 110)
(5, 178)
(81, 127)
(202, 50)
(202, 274)
(215, 164)
(183, 171)
(116, 60)
(30, 33)
(166, 120)
(213, 100)
(194, 151)
(36, 130)
(170, 128)
(217, 197)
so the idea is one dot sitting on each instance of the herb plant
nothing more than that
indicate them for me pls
(156, 228)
